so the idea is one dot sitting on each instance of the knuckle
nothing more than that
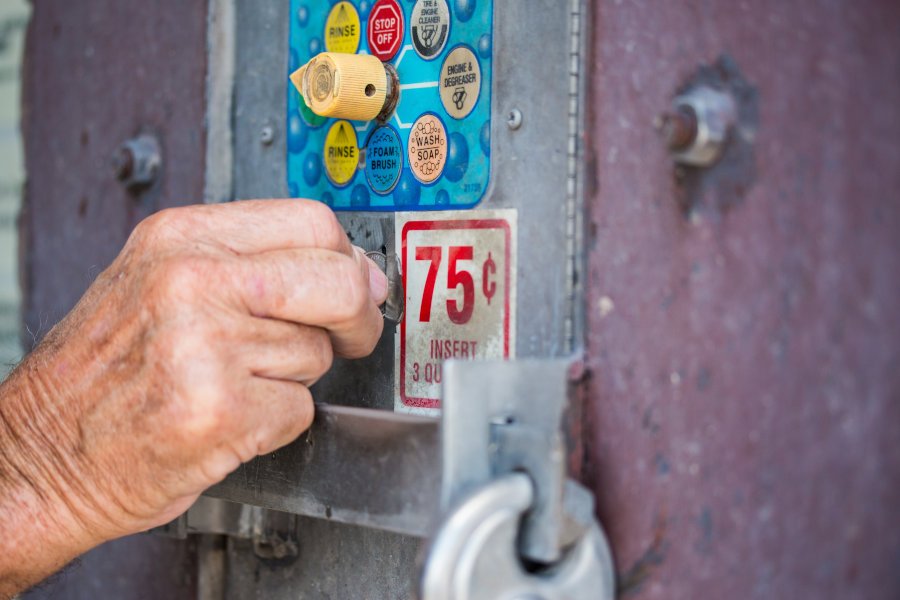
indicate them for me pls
(299, 409)
(326, 229)
(199, 426)
(363, 340)
(305, 409)
(372, 341)
(180, 277)
(204, 417)
(320, 353)
(246, 447)
(160, 227)
(271, 284)
(180, 355)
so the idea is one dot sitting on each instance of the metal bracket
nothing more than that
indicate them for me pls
(514, 526)
(358, 466)
(498, 418)
(501, 422)
(274, 534)
(506, 417)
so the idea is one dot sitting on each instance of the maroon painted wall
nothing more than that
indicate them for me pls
(96, 74)
(744, 342)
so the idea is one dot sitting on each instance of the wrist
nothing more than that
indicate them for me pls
(42, 513)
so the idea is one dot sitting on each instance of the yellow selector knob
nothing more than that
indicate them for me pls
(358, 87)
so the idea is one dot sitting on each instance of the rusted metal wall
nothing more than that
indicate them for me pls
(97, 73)
(744, 337)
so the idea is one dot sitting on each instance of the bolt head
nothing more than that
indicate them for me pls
(267, 135)
(515, 118)
(137, 162)
(706, 113)
(678, 128)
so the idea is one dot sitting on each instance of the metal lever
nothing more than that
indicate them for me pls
(474, 555)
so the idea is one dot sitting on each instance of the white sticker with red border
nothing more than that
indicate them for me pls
(459, 273)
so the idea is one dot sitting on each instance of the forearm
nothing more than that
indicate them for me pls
(39, 525)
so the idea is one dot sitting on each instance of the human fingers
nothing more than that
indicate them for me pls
(282, 350)
(251, 226)
(272, 414)
(319, 288)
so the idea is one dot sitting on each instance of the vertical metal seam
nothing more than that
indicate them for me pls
(220, 65)
(574, 204)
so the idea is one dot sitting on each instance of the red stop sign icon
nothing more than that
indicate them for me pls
(385, 30)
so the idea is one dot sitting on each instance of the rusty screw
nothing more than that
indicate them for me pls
(678, 128)
(696, 128)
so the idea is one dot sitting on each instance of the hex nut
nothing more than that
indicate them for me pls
(137, 162)
(699, 141)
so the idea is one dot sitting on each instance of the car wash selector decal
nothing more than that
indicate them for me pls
(433, 152)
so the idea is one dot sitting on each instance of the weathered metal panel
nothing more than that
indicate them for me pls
(97, 73)
(744, 342)
(360, 467)
(335, 562)
(534, 174)
(135, 568)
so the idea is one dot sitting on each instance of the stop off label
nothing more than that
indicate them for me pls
(459, 274)
(385, 32)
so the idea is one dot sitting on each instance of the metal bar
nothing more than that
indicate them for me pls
(363, 467)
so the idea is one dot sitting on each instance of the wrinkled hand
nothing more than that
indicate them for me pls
(192, 353)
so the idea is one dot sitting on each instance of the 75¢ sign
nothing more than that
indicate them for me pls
(459, 274)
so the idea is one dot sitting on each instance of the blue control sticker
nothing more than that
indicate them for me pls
(384, 159)
(444, 64)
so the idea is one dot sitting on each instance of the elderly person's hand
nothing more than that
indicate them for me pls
(192, 353)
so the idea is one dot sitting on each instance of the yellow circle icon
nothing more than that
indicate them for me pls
(341, 153)
(342, 29)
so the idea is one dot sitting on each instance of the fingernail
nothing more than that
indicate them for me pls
(378, 283)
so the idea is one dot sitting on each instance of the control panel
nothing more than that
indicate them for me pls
(447, 134)
(404, 125)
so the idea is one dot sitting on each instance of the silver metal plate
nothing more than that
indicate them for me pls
(535, 175)
(537, 46)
